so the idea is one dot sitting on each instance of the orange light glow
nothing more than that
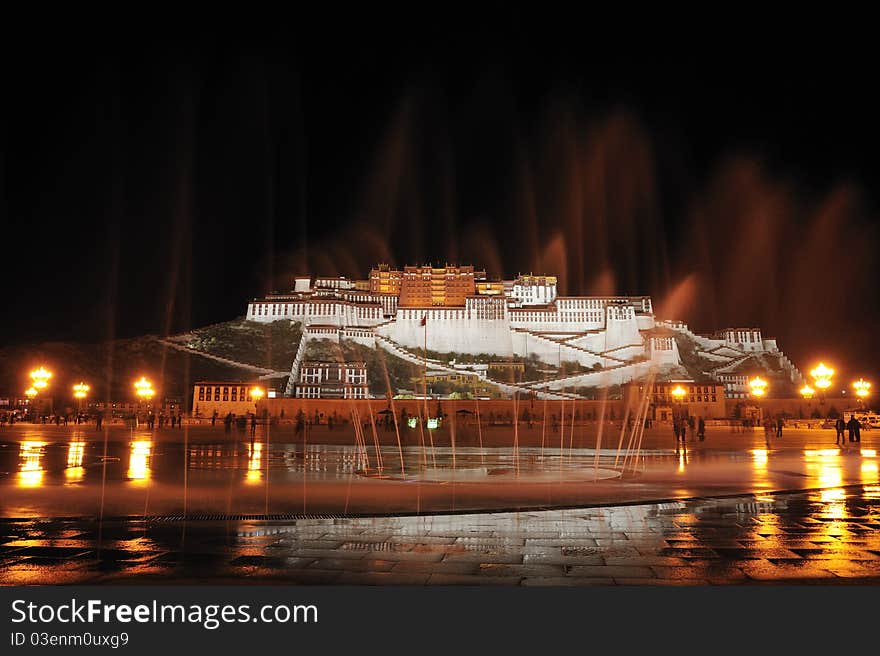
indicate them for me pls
(144, 388)
(139, 461)
(862, 387)
(40, 377)
(822, 376)
(254, 473)
(30, 472)
(758, 386)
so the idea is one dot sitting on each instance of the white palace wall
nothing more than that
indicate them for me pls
(448, 330)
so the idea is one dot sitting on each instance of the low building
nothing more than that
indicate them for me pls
(332, 380)
(223, 397)
(701, 399)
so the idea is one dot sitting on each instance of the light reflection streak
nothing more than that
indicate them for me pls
(139, 461)
(30, 472)
(75, 452)
(255, 453)
(869, 472)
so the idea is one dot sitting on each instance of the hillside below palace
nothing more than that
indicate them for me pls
(457, 309)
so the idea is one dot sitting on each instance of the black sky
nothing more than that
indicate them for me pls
(149, 185)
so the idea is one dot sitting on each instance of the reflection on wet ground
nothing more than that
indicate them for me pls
(825, 536)
(158, 473)
(155, 507)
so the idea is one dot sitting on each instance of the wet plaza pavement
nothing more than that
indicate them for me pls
(827, 536)
(147, 508)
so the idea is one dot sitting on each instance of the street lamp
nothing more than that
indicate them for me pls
(758, 389)
(863, 390)
(807, 392)
(257, 393)
(31, 392)
(678, 393)
(80, 391)
(821, 376)
(40, 378)
(144, 389)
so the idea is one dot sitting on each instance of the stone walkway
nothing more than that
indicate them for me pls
(826, 536)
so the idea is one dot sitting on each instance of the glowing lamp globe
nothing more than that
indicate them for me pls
(822, 376)
(758, 387)
(862, 387)
(144, 388)
(80, 390)
(40, 377)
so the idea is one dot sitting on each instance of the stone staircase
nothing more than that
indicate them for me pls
(563, 345)
(262, 371)
(404, 354)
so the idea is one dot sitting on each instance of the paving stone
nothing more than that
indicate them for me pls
(611, 571)
(381, 578)
(493, 569)
(565, 581)
(363, 565)
(444, 567)
(660, 582)
(472, 579)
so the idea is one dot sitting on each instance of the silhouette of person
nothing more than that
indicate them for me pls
(855, 429)
(840, 425)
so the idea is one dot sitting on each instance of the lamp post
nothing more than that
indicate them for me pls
(822, 376)
(758, 390)
(863, 391)
(678, 393)
(31, 393)
(257, 393)
(40, 380)
(143, 389)
(807, 393)
(80, 391)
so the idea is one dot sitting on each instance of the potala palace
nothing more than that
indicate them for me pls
(457, 310)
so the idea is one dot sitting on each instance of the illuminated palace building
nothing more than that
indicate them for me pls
(580, 341)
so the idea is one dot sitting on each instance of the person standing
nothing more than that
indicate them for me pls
(855, 429)
(840, 425)
(701, 429)
(779, 424)
(214, 418)
(253, 424)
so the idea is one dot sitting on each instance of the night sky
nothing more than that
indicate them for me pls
(149, 186)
